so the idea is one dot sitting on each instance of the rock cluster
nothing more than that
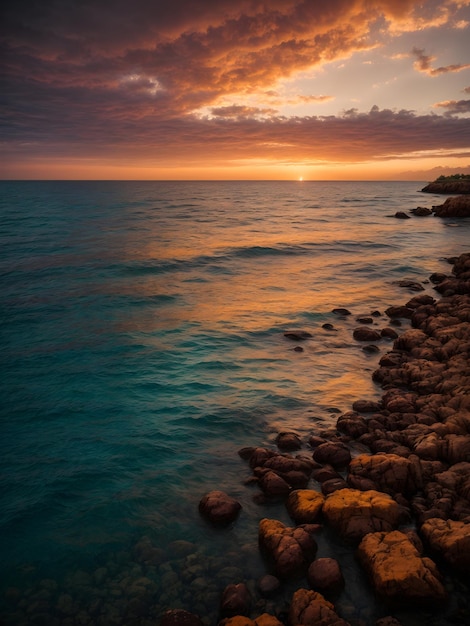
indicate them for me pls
(417, 470)
(448, 186)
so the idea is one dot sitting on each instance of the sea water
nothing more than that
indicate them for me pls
(142, 345)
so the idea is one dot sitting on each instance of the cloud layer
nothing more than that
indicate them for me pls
(172, 81)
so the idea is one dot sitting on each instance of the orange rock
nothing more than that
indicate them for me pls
(389, 472)
(291, 549)
(239, 620)
(354, 513)
(309, 608)
(305, 505)
(451, 539)
(398, 572)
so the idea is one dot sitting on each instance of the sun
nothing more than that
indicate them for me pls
(301, 178)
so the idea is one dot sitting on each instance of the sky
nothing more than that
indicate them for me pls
(234, 89)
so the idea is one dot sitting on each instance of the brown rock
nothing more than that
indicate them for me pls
(288, 441)
(274, 485)
(219, 508)
(388, 472)
(366, 334)
(353, 513)
(458, 206)
(309, 608)
(305, 505)
(236, 600)
(451, 539)
(335, 454)
(291, 549)
(239, 620)
(366, 406)
(325, 575)
(398, 572)
(268, 585)
(298, 335)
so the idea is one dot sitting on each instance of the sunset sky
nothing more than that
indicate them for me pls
(235, 89)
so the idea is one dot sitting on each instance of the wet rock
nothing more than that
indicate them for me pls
(298, 335)
(290, 549)
(364, 320)
(288, 441)
(268, 585)
(412, 285)
(305, 505)
(366, 406)
(371, 349)
(328, 326)
(274, 485)
(236, 600)
(309, 607)
(401, 215)
(180, 617)
(325, 575)
(387, 621)
(259, 457)
(335, 454)
(352, 424)
(450, 539)
(341, 311)
(421, 211)
(333, 484)
(458, 206)
(399, 573)
(366, 334)
(353, 513)
(399, 311)
(219, 508)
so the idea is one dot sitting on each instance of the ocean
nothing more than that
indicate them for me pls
(142, 333)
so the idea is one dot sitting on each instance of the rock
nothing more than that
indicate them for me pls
(366, 334)
(268, 585)
(398, 572)
(325, 575)
(353, 513)
(288, 441)
(399, 311)
(310, 608)
(298, 335)
(450, 539)
(341, 311)
(412, 285)
(328, 326)
(305, 505)
(290, 549)
(366, 406)
(401, 215)
(387, 472)
(364, 320)
(387, 621)
(352, 424)
(454, 207)
(421, 211)
(179, 617)
(335, 454)
(219, 508)
(333, 484)
(259, 457)
(263, 620)
(236, 600)
(448, 186)
(274, 485)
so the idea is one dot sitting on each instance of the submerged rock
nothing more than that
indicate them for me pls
(179, 617)
(399, 573)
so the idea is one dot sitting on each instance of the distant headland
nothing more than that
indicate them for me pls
(457, 183)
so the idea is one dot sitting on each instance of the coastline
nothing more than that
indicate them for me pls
(402, 505)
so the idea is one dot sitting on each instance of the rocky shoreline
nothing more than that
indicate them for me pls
(402, 503)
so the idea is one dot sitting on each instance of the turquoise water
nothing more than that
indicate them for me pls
(142, 347)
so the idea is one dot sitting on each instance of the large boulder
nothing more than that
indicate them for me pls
(310, 608)
(219, 508)
(353, 513)
(291, 550)
(332, 453)
(399, 573)
(385, 472)
(450, 539)
(456, 206)
(305, 505)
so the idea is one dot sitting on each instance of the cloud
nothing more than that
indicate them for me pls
(454, 106)
(107, 76)
(423, 64)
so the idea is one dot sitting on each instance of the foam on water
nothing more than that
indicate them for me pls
(143, 345)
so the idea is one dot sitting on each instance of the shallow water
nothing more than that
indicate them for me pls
(142, 333)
